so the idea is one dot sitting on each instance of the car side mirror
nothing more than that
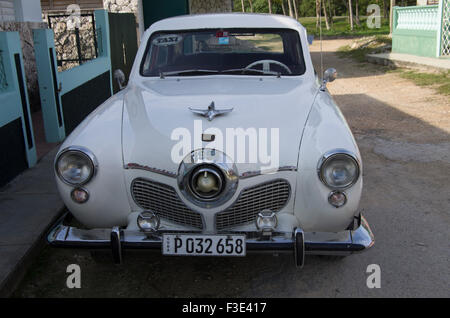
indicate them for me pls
(328, 76)
(119, 76)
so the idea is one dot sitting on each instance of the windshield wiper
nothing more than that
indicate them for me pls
(193, 71)
(233, 70)
(250, 70)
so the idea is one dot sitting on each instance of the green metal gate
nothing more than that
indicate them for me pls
(67, 97)
(123, 42)
(17, 148)
(155, 10)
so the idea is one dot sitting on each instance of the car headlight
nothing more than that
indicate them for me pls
(75, 165)
(338, 169)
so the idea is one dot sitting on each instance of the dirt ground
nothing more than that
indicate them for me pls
(403, 132)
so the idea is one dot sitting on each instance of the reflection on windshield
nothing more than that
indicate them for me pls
(237, 51)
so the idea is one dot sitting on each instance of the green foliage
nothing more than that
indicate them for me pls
(358, 54)
(307, 8)
(259, 6)
(364, 46)
(341, 27)
(439, 81)
(337, 8)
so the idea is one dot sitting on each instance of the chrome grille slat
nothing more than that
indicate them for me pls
(164, 201)
(272, 195)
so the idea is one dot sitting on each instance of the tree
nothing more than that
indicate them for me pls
(291, 13)
(270, 6)
(350, 14)
(325, 15)
(251, 5)
(385, 9)
(283, 7)
(243, 7)
(391, 16)
(294, 2)
(330, 12)
(317, 13)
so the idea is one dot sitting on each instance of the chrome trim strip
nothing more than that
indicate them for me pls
(138, 166)
(244, 175)
(249, 174)
(355, 241)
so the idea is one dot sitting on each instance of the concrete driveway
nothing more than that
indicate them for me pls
(403, 132)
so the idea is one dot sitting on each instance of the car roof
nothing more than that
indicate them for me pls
(225, 20)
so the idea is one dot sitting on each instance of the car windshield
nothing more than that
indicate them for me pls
(232, 51)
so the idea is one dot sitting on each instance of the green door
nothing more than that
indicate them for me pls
(123, 43)
(155, 10)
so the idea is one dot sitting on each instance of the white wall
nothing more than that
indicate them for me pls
(7, 11)
(28, 10)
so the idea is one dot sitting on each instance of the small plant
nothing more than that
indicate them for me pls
(439, 81)
(366, 45)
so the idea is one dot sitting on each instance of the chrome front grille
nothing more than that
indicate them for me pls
(272, 195)
(164, 201)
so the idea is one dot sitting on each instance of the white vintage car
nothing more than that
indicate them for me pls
(224, 141)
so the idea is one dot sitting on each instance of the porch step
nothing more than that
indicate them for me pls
(410, 61)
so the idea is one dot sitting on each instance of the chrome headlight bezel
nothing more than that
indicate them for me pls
(214, 160)
(83, 152)
(335, 154)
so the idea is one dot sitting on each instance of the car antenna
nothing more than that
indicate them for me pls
(320, 40)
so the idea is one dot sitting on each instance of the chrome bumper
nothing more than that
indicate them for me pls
(344, 243)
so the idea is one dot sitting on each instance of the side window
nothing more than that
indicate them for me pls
(162, 56)
(188, 45)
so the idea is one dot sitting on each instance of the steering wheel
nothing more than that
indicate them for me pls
(266, 65)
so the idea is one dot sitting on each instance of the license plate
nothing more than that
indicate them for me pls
(203, 245)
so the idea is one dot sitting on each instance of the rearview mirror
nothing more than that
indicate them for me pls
(328, 76)
(119, 76)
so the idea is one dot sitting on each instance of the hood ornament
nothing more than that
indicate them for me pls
(211, 112)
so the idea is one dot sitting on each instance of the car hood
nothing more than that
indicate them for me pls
(157, 120)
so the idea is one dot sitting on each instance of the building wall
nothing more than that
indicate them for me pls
(23, 16)
(7, 12)
(28, 10)
(209, 6)
(195, 6)
(61, 5)
(121, 6)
